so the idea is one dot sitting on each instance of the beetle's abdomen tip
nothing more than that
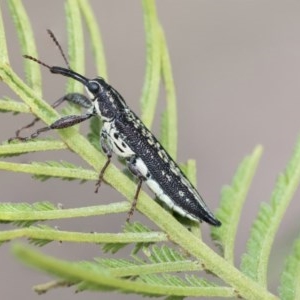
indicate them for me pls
(211, 220)
(216, 223)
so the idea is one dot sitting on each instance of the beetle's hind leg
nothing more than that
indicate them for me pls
(135, 199)
(134, 169)
(75, 98)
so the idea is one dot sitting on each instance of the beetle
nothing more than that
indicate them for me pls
(125, 135)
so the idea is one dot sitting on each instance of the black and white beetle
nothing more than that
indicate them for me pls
(124, 134)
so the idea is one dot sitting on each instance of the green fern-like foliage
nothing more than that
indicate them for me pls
(233, 197)
(170, 260)
(290, 288)
(255, 260)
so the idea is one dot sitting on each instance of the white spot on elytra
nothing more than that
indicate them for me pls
(181, 193)
(155, 187)
(142, 168)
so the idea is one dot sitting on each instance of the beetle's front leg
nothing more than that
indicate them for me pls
(75, 98)
(107, 149)
(61, 123)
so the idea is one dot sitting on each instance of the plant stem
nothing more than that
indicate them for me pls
(95, 37)
(153, 268)
(27, 41)
(153, 64)
(78, 237)
(102, 277)
(34, 146)
(112, 208)
(14, 106)
(41, 169)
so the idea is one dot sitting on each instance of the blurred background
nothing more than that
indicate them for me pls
(236, 66)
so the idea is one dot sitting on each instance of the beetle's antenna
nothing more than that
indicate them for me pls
(37, 61)
(59, 47)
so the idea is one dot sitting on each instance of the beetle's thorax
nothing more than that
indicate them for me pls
(107, 102)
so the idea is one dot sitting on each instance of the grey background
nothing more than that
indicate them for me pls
(236, 67)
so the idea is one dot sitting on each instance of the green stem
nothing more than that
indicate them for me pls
(14, 106)
(180, 266)
(45, 112)
(95, 37)
(289, 282)
(4, 60)
(231, 227)
(169, 123)
(153, 63)
(77, 237)
(41, 169)
(191, 171)
(34, 146)
(245, 286)
(27, 41)
(89, 211)
(37, 106)
(103, 278)
(76, 43)
(255, 260)
(232, 201)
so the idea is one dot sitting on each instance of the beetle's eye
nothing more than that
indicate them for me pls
(93, 87)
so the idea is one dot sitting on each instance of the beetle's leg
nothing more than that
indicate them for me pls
(134, 170)
(61, 123)
(76, 98)
(106, 148)
(135, 199)
(101, 174)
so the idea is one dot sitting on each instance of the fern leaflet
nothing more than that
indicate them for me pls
(290, 278)
(22, 209)
(71, 171)
(41, 242)
(233, 198)
(135, 227)
(255, 260)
